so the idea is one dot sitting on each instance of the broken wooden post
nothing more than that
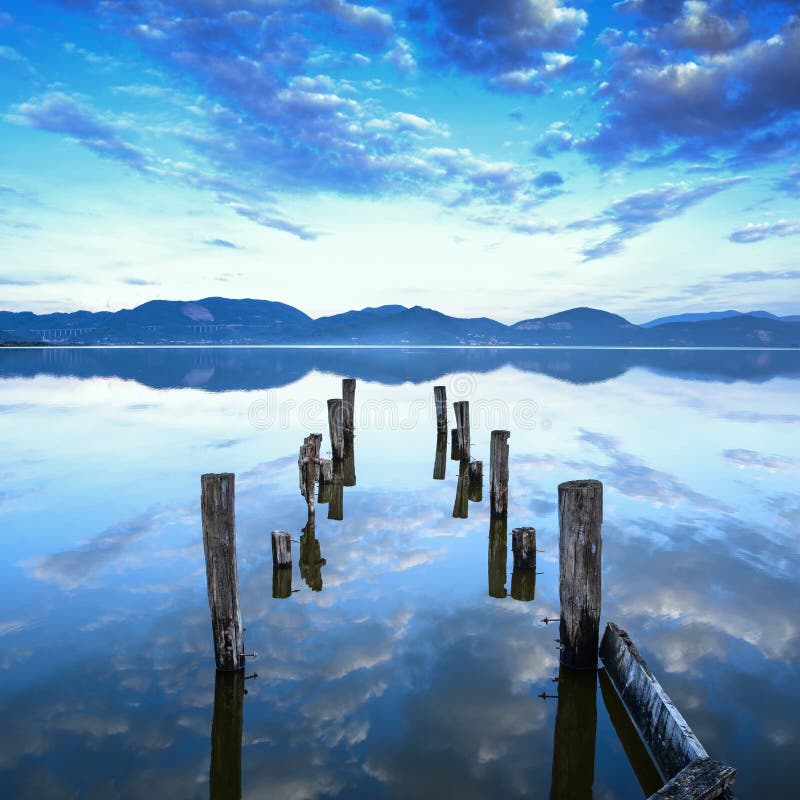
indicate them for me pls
(281, 549)
(523, 584)
(440, 460)
(661, 726)
(308, 464)
(316, 441)
(348, 404)
(325, 480)
(219, 544)
(476, 481)
(461, 505)
(703, 779)
(498, 557)
(580, 546)
(281, 583)
(440, 399)
(498, 471)
(523, 545)
(575, 736)
(461, 410)
(455, 450)
(336, 426)
(225, 773)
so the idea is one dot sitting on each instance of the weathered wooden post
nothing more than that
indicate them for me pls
(580, 545)
(336, 502)
(308, 464)
(311, 561)
(440, 461)
(498, 557)
(461, 505)
(281, 583)
(325, 480)
(281, 549)
(476, 481)
(575, 736)
(348, 404)
(219, 544)
(349, 463)
(498, 470)
(523, 545)
(440, 398)
(225, 773)
(316, 442)
(523, 584)
(461, 410)
(455, 450)
(336, 427)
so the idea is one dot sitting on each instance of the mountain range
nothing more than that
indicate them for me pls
(218, 320)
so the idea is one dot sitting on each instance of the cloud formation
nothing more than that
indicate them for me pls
(753, 232)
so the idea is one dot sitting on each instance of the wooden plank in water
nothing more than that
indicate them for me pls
(663, 729)
(703, 779)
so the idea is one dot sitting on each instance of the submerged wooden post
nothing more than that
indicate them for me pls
(281, 583)
(498, 470)
(325, 480)
(281, 549)
(336, 501)
(455, 450)
(219, 544)
(440, 398)
(349, 463)
(311, 560)
(336, 426)
(225, 773)
(440, 460)
(580, 546)
(523, 544)
(523, 584)
(461, 409)
(348, 404)
(476, 481)
(461, 505)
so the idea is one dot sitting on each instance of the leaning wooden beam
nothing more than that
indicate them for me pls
(703, 779)
(498, 473)
(348, 404)
(461, 409)
(440, 398)
(661, 726)
(336, 426)
(219, 544)
(580, 547)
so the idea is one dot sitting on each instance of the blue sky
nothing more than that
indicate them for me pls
(511, 158)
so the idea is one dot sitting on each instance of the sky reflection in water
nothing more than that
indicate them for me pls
(401, 677)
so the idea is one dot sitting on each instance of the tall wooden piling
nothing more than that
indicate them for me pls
(348, 404)
(336, 427)
(461, 411)
(580, 544)
(523, 544)
(498, 470)
(440, 460)
(219, 544)
(225, 773)
(281, 549)
(440, 399)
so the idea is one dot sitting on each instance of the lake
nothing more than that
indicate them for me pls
(402, 667)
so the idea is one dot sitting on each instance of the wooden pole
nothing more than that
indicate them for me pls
(440, 399)
(225, 774)
(440, 461)
(476, 481)
(349, 463)
(348, 404)
(461, 505)
(498, 557)
(498, 469)
(523, 544)
(580, 545)
(219, 544)
(281, 549)
(325, 480)
(523, 584)
(308, 464)
(281, 583)
(336, 426)
(455, 450)
(461, 409)
(336, 502)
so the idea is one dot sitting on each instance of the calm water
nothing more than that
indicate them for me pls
(402, 677)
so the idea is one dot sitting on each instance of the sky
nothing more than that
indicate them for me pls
(507, 159)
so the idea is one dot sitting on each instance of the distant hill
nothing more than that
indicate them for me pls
(219, 320)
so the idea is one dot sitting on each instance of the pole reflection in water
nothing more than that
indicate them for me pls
(336, 497)
(440, 461)
(498, 557)
(226, 737)
(523, 584)
(461, 505)
(575, 734)
(646, 771)
(311, 561)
